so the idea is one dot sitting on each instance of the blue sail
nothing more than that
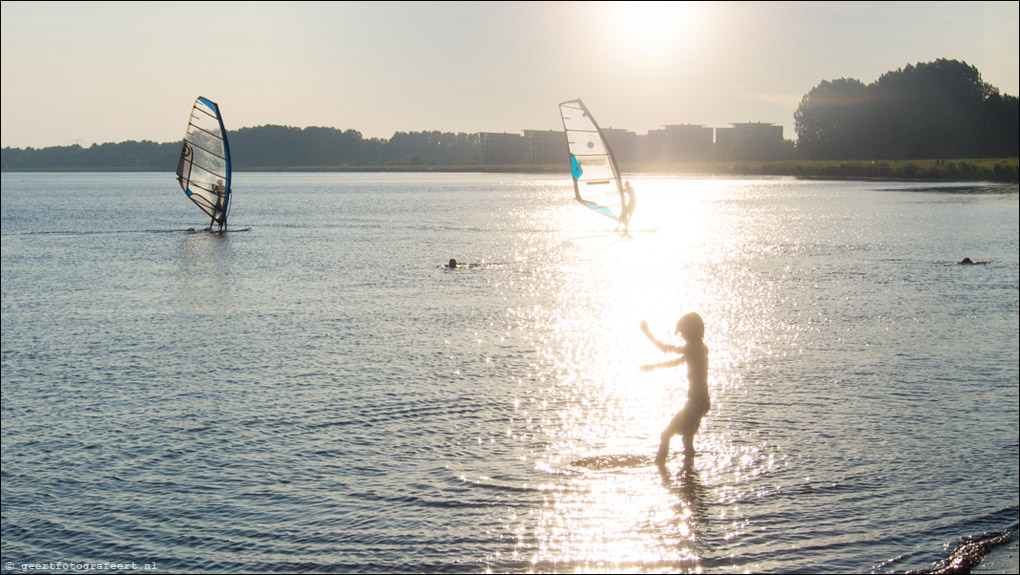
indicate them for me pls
(204, 169)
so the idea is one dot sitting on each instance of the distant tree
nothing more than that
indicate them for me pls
(999, 135)
(935, 110)
(273, 146)
(828, 120)
(431, 148)
(930, 110)
(130, 155)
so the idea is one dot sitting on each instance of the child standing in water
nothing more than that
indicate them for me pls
(695, 355)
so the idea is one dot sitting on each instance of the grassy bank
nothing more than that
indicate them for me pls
(980, 170)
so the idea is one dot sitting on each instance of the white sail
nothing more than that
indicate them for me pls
(204, 168)
(597, 182)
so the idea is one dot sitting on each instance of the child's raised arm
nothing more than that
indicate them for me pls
(662, 346)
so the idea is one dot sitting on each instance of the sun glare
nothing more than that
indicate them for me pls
(650, 29)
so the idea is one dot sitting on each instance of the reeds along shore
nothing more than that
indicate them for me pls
(990, 170)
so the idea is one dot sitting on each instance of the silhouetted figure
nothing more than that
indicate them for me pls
(695, 355)
(628, 202)
(968, 261)
(455, 265)
(219, 211)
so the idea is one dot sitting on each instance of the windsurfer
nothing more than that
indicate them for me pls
(629, 202)
(695, 355)
(219, 213)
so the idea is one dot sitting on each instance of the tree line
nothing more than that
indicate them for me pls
(936, 110)
(267, 147)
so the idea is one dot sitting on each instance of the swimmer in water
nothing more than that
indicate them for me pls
(454, 265)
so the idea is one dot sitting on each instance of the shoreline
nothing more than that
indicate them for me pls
(998, 170)
(1004, 560)
(984, 555)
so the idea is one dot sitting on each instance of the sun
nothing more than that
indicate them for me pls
(650, 29)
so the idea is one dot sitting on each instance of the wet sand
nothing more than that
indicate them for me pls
(1004, 559)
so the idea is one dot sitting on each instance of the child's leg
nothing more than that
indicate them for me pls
(667, 434)
(688, 445)
(660, 457)
(690, 427)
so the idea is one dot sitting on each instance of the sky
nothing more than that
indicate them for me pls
(97, 72)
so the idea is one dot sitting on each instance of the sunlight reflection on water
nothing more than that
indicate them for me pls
(765, 274)
(685, 254)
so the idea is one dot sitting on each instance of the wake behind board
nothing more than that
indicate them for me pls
(613, 461)
(208, 231)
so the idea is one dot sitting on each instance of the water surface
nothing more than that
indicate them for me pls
(318, 394)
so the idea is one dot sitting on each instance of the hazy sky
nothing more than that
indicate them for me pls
(86, 72)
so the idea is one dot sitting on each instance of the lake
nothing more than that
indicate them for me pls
(318, 394)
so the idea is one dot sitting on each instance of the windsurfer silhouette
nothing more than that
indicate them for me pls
(220, 215)
(629, 202)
